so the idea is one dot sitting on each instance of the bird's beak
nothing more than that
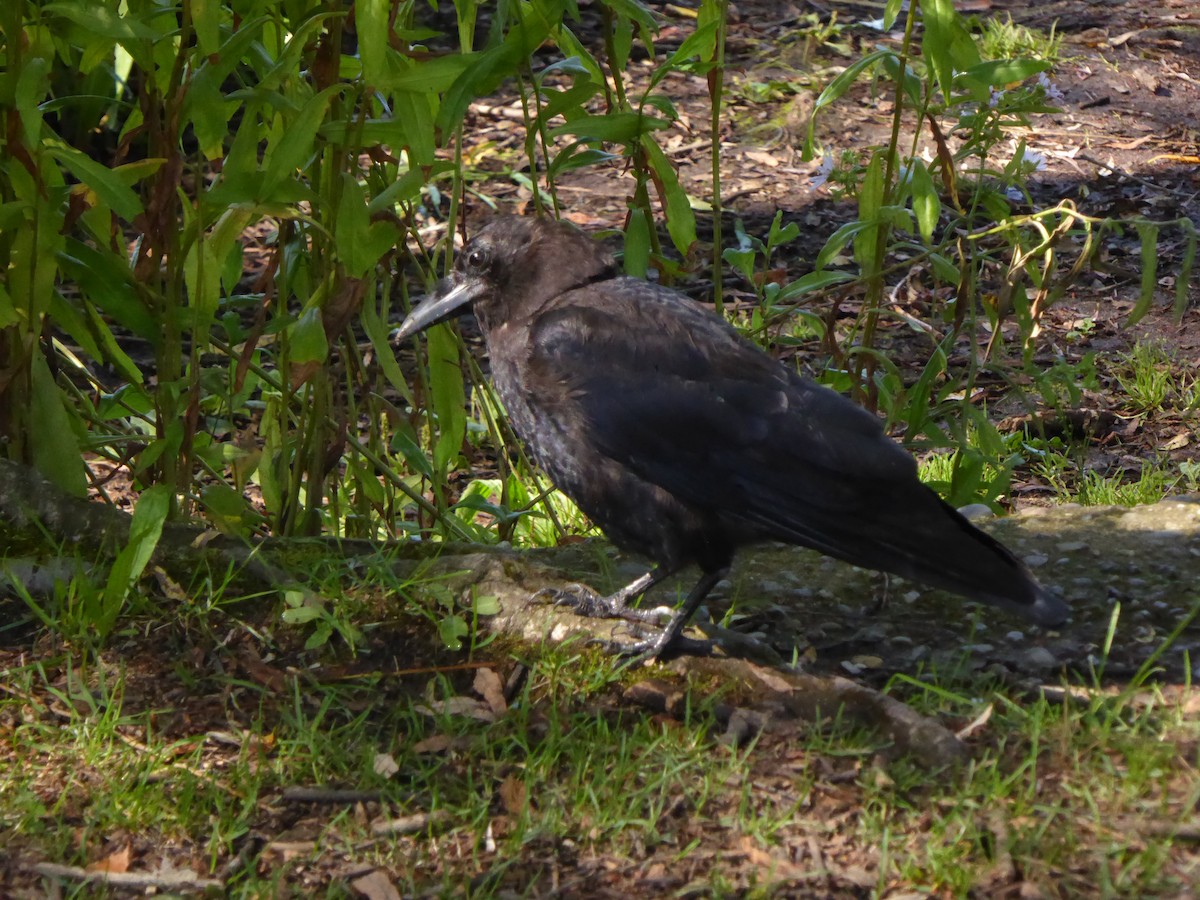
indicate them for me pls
(448, 301)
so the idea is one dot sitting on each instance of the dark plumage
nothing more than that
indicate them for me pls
(683, 441)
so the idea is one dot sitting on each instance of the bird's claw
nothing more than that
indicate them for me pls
(581, 598)
(654, 648)
(586, 602)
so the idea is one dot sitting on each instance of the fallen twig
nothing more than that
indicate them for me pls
(176, 879)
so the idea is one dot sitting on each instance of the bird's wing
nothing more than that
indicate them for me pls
(672, 394)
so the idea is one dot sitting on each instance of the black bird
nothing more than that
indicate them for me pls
(684, 441)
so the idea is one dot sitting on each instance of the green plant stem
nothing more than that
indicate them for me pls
(865, 381)
(716, 88)
(272, 380)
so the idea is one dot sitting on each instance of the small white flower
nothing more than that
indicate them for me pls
(1031, 159)
(822, 174)
(994, 99)
(1053, 94)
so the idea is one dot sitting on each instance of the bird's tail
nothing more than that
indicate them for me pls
(982, 568)
(930, 542)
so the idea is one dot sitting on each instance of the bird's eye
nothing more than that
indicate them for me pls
(477, 258)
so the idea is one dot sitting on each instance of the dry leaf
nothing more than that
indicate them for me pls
(979, 721)
(1178, 442)
(258, 670)
(458, 706)
(1131, 145)
(114, 862)
(776, 683)
(764, 159)
(289, 850)
(513, 795)
(487, 685)
(375, 886)
(435, 743)
(385, 765)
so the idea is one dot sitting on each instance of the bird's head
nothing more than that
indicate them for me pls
(512, 265)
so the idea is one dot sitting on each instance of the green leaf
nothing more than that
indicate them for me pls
(576, 156)
(448, 396)
(109, 348)
(1184, 281)
(108, 187)
(307, 340)
(206, 17)
(8, 312)
(209, 113)
(228, 509)
(404, 442)
(301, 615)
(1149, 237)
(927, 206)
(813, 281)
(294, 144)
(570, 103)
(836, 89)
(700, 44)
(485, 71)
(845, 80)
(681, 220)
(981, 79)
(429, 75)
(108, 283)
(571, 47)
(913, 85)
(487, 605)
(98, 18)
(616, 128)
(918, 395)
(947, 44)
(890, 11)
(364, 481)
(407, 187)
(452, 630)
(53, 438)
(371, 26)
(202, 274)
(417, 112)
(320, 636)
(945, 269)
(637, 244)
(32, 86)
(360, 242)
(838, 241)
(870, 208)
(144, 531)
(377, 333)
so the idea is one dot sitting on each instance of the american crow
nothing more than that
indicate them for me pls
(684, 441)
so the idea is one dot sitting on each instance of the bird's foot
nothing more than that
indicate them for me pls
(586, 602)
(655, 648)
(661, 644)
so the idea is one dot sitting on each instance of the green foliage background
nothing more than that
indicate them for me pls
(146, 143)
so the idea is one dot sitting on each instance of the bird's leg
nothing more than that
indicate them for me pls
(587, 602)
(671, 640)
(881, 602)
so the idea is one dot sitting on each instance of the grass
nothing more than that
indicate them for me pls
(1152, 379)
(1153, 481)
(182, 752)
(1005, 39)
